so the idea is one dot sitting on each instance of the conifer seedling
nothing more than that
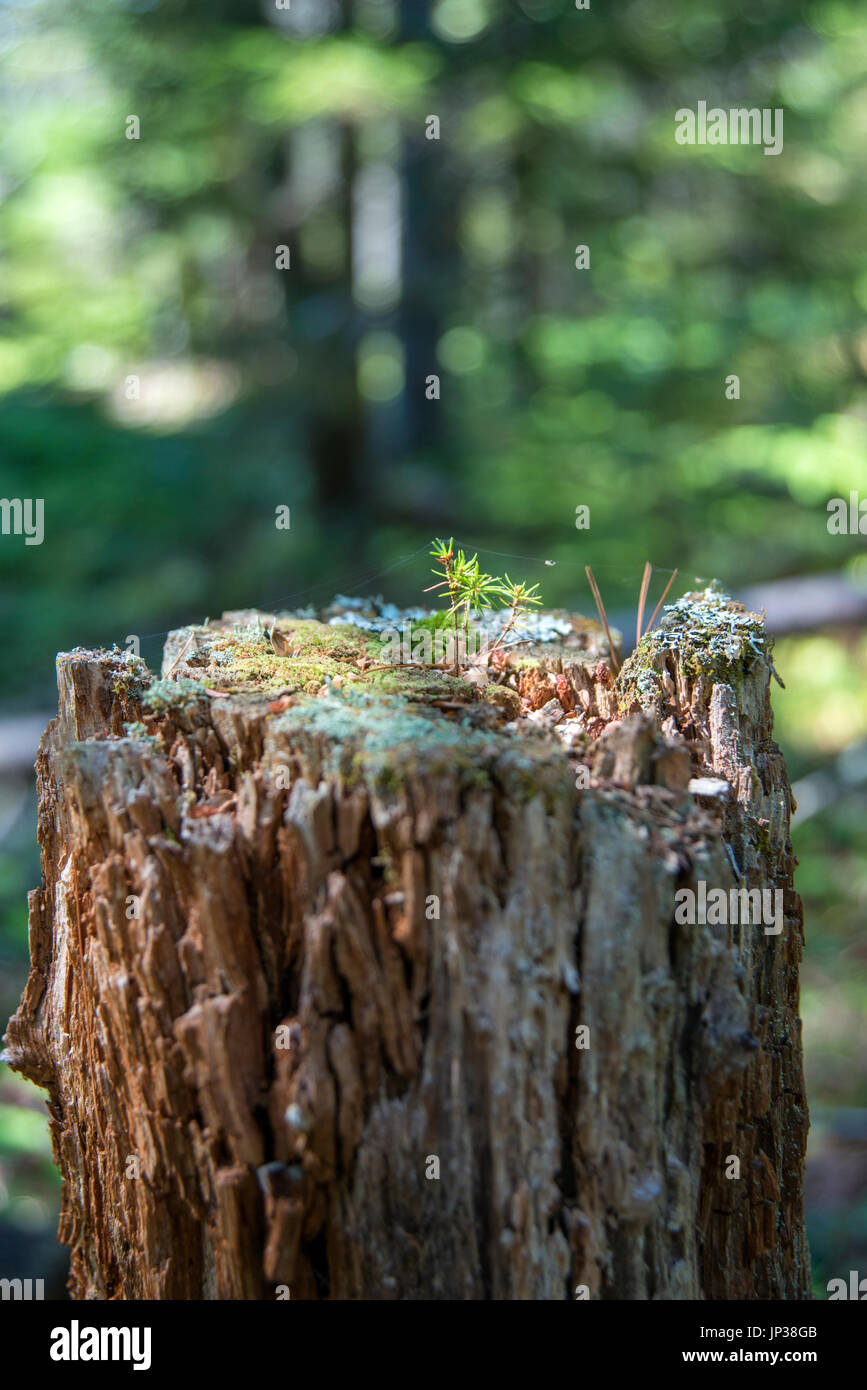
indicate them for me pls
(469, 590)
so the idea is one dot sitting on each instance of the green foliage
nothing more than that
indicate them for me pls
(469, 590)
(472, 590)
(603, 387)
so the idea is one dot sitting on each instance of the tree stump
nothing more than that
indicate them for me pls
(361, 983)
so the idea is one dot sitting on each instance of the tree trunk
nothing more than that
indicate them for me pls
(355, 994)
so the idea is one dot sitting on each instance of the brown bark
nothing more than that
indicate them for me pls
(365, 928)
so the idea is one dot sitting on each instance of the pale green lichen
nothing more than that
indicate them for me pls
(384, 740)
(129, 672)
(139, 733)
(707, 634)
(168, 694)
(362, 733)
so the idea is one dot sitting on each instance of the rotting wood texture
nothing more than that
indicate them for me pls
(304, 929)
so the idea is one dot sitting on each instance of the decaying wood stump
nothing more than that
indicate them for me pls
(341, 986)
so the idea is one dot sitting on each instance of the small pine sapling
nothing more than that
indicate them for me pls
(520, 599)
(470, 590)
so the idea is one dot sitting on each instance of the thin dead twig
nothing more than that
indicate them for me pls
(642, 599)
(180, 654)
(603, 619)
(661, 601)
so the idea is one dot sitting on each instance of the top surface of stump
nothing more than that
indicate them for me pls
(335, 678)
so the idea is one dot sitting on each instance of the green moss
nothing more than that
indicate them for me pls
(435, 621)
(319, 653)
(385, 862)
(315, 641)
(763, 840)
(261, 670)
(242, 660)
(265, 671)
(432, 623)
(527, 770)
(385, 777)
(504, 699)
(420, 683)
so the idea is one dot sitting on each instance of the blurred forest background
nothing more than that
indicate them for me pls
(305, 127)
